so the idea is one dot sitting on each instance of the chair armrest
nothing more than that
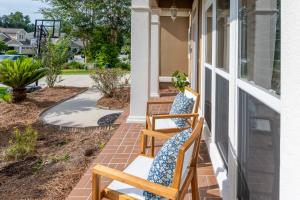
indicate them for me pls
(160, 102)
(175, 116)
(167, 192)
(155, 134)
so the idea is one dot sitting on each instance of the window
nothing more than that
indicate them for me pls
(223, 13)
(222, 115)
(208, 97)
(208, 35)
(258, 150)
(260, 43)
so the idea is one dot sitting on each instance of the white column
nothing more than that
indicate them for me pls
(140, 60)
(290, 101)
(155, 53)
(20, 49)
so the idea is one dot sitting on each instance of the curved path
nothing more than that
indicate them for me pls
(79, 111)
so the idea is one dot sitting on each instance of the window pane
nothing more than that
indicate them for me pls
(260, 43)
(258, 150)
(222, 109)
(208, 97)
(208, 36)
(223, 22)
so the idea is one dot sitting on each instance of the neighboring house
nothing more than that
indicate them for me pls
(19, 40)
(249, 85)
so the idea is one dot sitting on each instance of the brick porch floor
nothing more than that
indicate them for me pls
(123, 147)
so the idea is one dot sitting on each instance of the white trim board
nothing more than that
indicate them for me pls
(219, 168)
(165, 79)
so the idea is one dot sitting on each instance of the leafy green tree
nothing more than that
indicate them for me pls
(3, 46)
(17, 20)
(86, 19)
(54, 56)
(108, 56)
(18, 74)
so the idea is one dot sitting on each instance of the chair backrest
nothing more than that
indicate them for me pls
(195, 96)
(188, 155)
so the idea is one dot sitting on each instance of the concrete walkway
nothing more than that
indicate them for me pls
(80, 111)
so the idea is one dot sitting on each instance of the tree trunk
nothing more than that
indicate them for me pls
(19, 94)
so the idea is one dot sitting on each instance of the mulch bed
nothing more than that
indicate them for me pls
(60, 157)
(120, 101)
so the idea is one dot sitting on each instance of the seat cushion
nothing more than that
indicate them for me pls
(140, 167)
(182, 105)
(163, 166)
(161, 124)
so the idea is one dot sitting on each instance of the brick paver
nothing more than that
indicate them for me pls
(123, 147)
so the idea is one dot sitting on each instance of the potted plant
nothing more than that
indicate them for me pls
(180, 80)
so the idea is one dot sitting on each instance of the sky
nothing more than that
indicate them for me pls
(27, 7)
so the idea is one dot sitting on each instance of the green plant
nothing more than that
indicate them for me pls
(5, 94)
(101, 146)
(38, 165)
(18, 74)
(108, 56)
(124, 66)
(3, 46)
(180, 80)
(11, 52)
(108, 81)
(22, 144)
(54, 56)
(59, 158)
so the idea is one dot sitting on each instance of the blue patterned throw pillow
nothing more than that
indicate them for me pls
(181, 105)
(163, 166)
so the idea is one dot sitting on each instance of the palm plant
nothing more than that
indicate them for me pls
(19, 74)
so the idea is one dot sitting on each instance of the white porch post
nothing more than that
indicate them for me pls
(290, 104)
(20, 49)
(155, 53)
(140, 60)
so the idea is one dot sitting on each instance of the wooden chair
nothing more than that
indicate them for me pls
(164, 123)
(130, 183)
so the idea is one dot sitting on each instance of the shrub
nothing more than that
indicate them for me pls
(5, 95)
(54, 56)
(180, 80)
(108, 81)
(74, 65)
(124, 66)
(11, 52)
(19, 74)
(22, 144)
(108, 56)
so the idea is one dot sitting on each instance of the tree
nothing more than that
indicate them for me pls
(53, 58)
(87, 18)
(81, 15)
(17, 20)
(3, 46)
(18, 74)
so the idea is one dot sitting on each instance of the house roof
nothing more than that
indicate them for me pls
(11, 30)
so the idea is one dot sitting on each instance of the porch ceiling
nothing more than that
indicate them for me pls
(179, 3)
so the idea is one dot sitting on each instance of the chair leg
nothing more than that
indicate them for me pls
(96, 187)
(194, 185)
(143, 143)
(152, 146)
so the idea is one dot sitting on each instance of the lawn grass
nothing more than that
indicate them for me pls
(76, 71)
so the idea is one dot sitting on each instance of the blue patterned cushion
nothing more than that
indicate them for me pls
(181, 105)
(163, 166)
